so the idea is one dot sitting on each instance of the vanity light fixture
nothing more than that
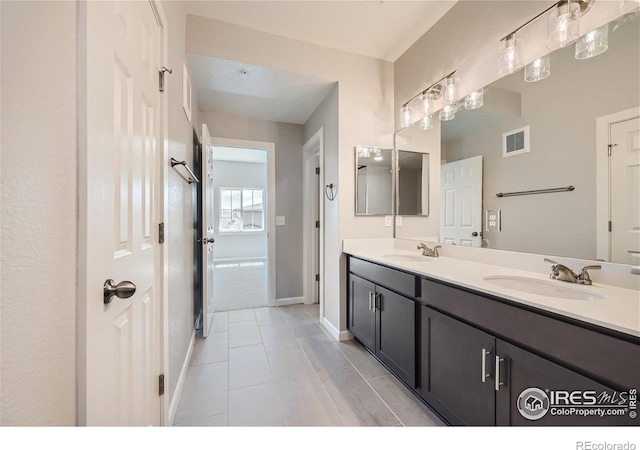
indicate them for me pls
(426, 123)
(450, 90)
(363, 152)
(474, 100)
(538, 69)
(563, 26)
(593, 43)
(447, 113)
(406, 116)
(635, 5)
(425, 104)
(510, 55)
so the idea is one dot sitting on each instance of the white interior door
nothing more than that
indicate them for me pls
(123, 124)
(461, 202)
(208, 214)
(625, 191)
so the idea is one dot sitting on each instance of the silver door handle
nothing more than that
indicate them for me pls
(370, 295)
(484, 365)
(205, 241)
(498, 382)
(124, 289)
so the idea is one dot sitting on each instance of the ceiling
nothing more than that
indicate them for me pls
(235, 154)
(383, 30)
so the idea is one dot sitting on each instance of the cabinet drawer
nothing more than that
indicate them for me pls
(601, 355)
(401, 282)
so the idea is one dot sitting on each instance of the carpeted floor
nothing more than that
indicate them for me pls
(239, 285)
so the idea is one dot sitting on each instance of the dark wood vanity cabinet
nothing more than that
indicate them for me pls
(472, 375)
(470, 356)
(384, 321)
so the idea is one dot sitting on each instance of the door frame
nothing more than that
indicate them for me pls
(603, 205)
(160, 216)
(270, 148)
(312, 148)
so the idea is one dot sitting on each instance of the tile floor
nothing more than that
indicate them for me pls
(240, 284)
(277, 367)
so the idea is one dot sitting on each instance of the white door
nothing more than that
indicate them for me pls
(625, 191)
(123, 111)
(208, 195)
(461, 202)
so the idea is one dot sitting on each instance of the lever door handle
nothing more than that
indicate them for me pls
(205, 241)
(124, 289)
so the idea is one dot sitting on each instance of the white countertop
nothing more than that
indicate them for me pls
(619, 311)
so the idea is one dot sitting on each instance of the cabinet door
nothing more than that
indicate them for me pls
(396, 334)
(452, 357)
(521, 370)
(362, 317)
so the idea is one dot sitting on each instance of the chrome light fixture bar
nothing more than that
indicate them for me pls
(444, 88)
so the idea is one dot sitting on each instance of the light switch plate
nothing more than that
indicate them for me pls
(493, 220)
(398, 221)
(279, 221)
(388, 221)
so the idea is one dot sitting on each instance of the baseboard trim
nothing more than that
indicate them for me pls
(334, 332)
(175, 400)
(289, 301)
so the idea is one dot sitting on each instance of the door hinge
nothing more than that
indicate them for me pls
(317, 170)
(161, 233)
(317, 224)
(161, 77)
(609, 147)
(161, 385)
(317, 277)
(609, 225)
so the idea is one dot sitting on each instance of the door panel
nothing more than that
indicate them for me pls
(208, 213)
(451, 369)
(123, 47)
(362, 317)
(396, 334)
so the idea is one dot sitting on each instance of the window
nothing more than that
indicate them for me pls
(241, 210)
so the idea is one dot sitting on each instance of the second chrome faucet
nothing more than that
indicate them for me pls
(426, 251)
(563, 273)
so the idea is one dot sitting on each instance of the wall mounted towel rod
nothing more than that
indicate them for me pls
(537, 191)
(175, 162)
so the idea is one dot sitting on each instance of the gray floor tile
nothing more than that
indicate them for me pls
(241, 315)
(277, 338)
(313, 408)
(307, 330)
(255, 406)
(296, 387)
(214, 348)
(313, 310)
(204, 393)
(220, 322)
(323, 353)
(290, 364)
(366, 364)
(357, 403)
(403, 403)
(244, 333)
(248, 366)
(269, 316)
(221, 420)
(299, 320)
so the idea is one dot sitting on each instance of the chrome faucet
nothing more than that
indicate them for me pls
(426, 251)
(563, 273)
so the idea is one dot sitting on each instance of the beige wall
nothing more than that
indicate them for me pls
(287, 138)
(39, 213)
(365, 117)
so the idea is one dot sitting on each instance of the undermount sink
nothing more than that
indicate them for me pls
(550, 288)
(410, 258)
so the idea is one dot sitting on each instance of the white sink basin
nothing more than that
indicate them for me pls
(548, 288)
(409, 258)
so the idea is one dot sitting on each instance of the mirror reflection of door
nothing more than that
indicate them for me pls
(412, 183)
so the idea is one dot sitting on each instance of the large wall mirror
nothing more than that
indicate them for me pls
(374, 181)
(547, 184)
(412, 183)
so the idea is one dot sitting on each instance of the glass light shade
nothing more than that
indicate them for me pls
(406, 116)
(630, 5)
(538, 69)
(474, 100)
(510, 55)
(427, 122)
(563, 24)
(593, 43)
(447, 113)
(425, 104)
(449, 91)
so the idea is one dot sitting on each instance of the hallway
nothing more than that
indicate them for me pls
(277, 367)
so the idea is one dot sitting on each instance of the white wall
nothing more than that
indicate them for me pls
(236, 174)
(287, 138)
(38, 205)
(365, 117)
